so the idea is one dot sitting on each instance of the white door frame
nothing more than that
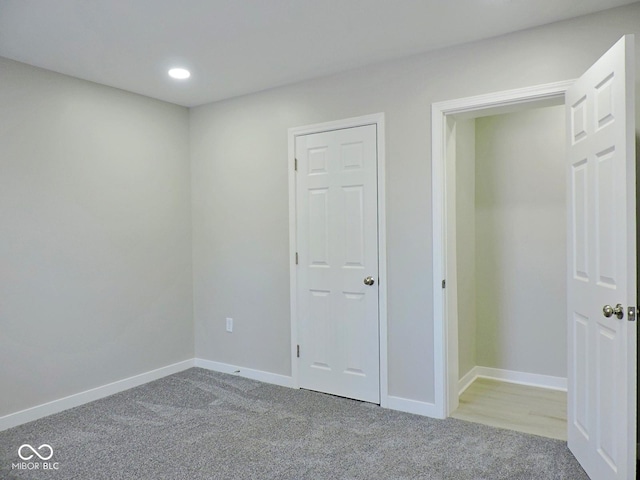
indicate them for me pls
(373, 119)
(445, 315)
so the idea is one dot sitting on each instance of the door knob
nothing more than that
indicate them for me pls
(608, 311)
(369, 281)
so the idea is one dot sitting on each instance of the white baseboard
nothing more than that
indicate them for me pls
(392, 403)
(267, 377)
(510, 376)
(467, 380)
(77, 399)
(412, 406)
(55, 406)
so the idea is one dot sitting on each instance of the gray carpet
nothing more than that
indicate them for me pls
(199, 424)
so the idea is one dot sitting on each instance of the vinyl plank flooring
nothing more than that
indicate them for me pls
(522, 408)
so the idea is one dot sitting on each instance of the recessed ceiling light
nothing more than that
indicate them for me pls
(179, 73)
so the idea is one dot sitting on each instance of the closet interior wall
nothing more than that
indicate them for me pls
(511, 242)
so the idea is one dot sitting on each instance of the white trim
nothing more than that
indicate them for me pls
(445, 339)
(373, 119)
(521, 378)
(293, 272)
(411, 406)
(466, 381)
(504, 99)
(261, 376)
(77, 399)
(28, 415)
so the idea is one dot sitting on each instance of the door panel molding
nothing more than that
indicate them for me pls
(373, 119)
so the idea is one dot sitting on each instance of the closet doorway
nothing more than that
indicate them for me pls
(482, 147)
(511, 259)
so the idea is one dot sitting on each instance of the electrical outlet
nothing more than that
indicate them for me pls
(229, 324)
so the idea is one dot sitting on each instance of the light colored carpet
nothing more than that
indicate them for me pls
(199, 424)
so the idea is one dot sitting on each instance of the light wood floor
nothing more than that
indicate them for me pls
(515, 407)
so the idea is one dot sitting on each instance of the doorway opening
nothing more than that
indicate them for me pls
(495, 257)
(510, 212)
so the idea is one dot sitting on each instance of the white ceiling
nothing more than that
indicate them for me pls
(233, 47)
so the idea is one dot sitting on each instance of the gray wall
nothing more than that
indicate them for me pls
(239, 173)
(520, 241)
(95, 227)
(465, 243)
(95, 240)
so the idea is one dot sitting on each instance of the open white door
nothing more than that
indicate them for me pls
(602, 266)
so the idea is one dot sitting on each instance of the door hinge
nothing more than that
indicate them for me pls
(295, 164)
(444, 283)
(631, 314)
(298, 350)
(296, 258)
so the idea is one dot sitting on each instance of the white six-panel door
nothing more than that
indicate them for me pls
(337, 246)
(602, 266)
